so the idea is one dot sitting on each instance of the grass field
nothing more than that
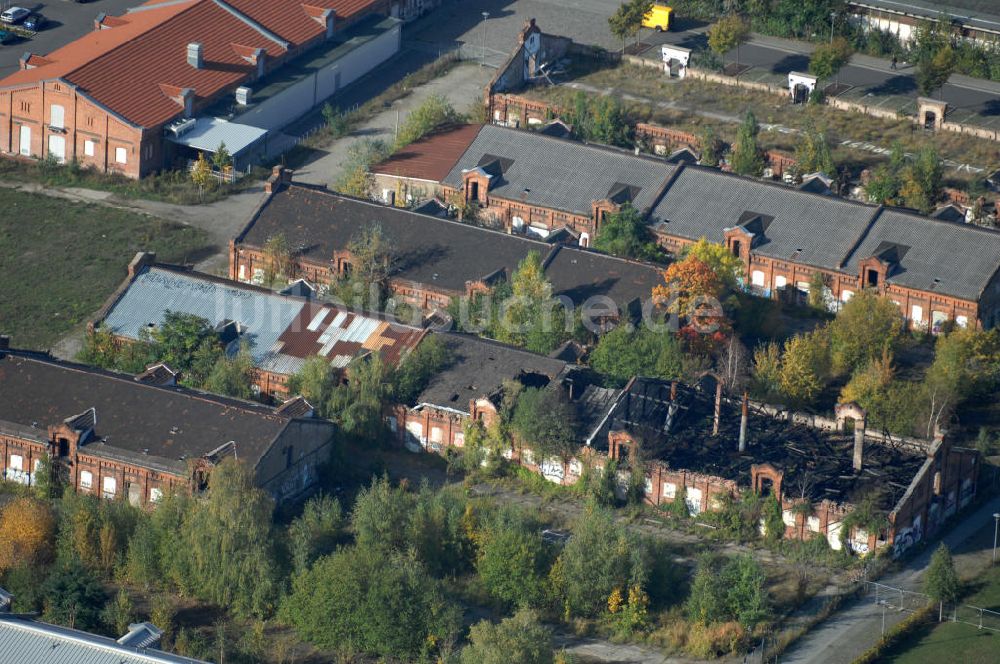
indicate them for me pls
(59, 260)
(957, 642)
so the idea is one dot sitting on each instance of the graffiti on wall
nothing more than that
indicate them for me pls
(907, 537)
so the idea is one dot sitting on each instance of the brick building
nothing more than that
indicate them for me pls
(416, 172)
(469, 388)
(117, 437)
(933, 269)
(281, 330)
(105, 99)
(435, 260)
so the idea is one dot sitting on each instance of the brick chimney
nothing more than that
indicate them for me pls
(744, 417)
(279, 175)
(859, 445)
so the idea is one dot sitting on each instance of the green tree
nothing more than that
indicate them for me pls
(356, 178)
(819, 292)
(316, 381)
(315, 532)
(366, 284)
(47, 482)
(73, 597)
(766, 380)
(711, 147)
(381, 515)
(187, 343)
(384, 604)
(546, 423)
(887, 179)
(734, 591)
(828, 59)
(416, 369)
(941, 581)
(432, 113)
(805, 367)
(921, 182)
(933, 72)
(813, 152)
(866, 327)
(627, 351)
(228, 541)
(201, 173)
(119, 613)
(727, 33)
(747, 157)
(437, 532)
(600, 556)
(625, 233)
(357, 405)
(512, 562)
(521, 638)
(221, 159)
(530, 317)
(233, 376)
(277, 260)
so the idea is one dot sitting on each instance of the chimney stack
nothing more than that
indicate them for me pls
(673, 390)
(194, 55)
(744, 416)
(859, 445)
(718, 407)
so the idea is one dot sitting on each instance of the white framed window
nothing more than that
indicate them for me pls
(437, 435)
(812, 523)
(155, 495)
(88, 148)
(757, 278)
(916, 313)
(846, 295)
(780, 281)
(962, 321)
(110, 487)
(669, 490)
(16, 462)
(802, 286)
(121, 155)
(57, 116)
(86, 479)
(584, 239)
(25, 141)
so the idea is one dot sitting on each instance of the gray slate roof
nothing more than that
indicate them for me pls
(26, 641)
(560, 174)
(153, 426)
(807, 228)
(479, 368)
(961, 257)
(581, 274)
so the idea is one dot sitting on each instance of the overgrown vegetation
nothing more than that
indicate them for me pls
(44, 297)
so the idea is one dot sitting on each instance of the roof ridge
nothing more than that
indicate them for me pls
(181, 390)
(252, 23)
(613, 149)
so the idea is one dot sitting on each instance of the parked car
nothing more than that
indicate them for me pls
(14, 15)
(6, 37)
(35, 22)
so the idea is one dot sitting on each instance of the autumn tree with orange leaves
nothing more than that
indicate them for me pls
(693, 290)
(27, 529)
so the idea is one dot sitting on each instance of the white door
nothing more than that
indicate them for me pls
(57, 147)
(25, 141)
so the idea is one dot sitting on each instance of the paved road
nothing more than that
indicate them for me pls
(586, 22)
(841, 638)
(67, 21)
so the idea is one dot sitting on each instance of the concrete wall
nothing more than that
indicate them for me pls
(297, 100)
(290, 467)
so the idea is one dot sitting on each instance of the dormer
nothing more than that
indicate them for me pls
(30, 61)
(184, 97)
(750, 231)
(476, 186)
(255, 56)
(105, 22)
(322, 15)
(158, 374)
(875, 269)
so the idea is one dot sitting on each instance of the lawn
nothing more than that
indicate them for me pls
(59, 260)
(957, 642)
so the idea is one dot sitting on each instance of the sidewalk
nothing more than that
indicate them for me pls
(845, 635)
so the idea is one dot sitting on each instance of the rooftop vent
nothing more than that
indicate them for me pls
(243, 95)
(141, 635)
(194, 55)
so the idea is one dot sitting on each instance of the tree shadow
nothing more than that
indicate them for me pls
(790, 63)
(897, 85)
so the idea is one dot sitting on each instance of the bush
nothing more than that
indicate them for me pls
(711, 641)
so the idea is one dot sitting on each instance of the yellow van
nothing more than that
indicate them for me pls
(658, 18)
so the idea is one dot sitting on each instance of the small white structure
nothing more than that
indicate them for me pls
(800, 86)
(675, 60)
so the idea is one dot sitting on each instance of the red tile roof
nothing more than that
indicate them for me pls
(128, 66)
(432, 157)
(293, 20)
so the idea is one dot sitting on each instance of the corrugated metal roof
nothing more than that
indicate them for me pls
(25, 641)
(156, 291)
(559, 174)
(208, 133)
